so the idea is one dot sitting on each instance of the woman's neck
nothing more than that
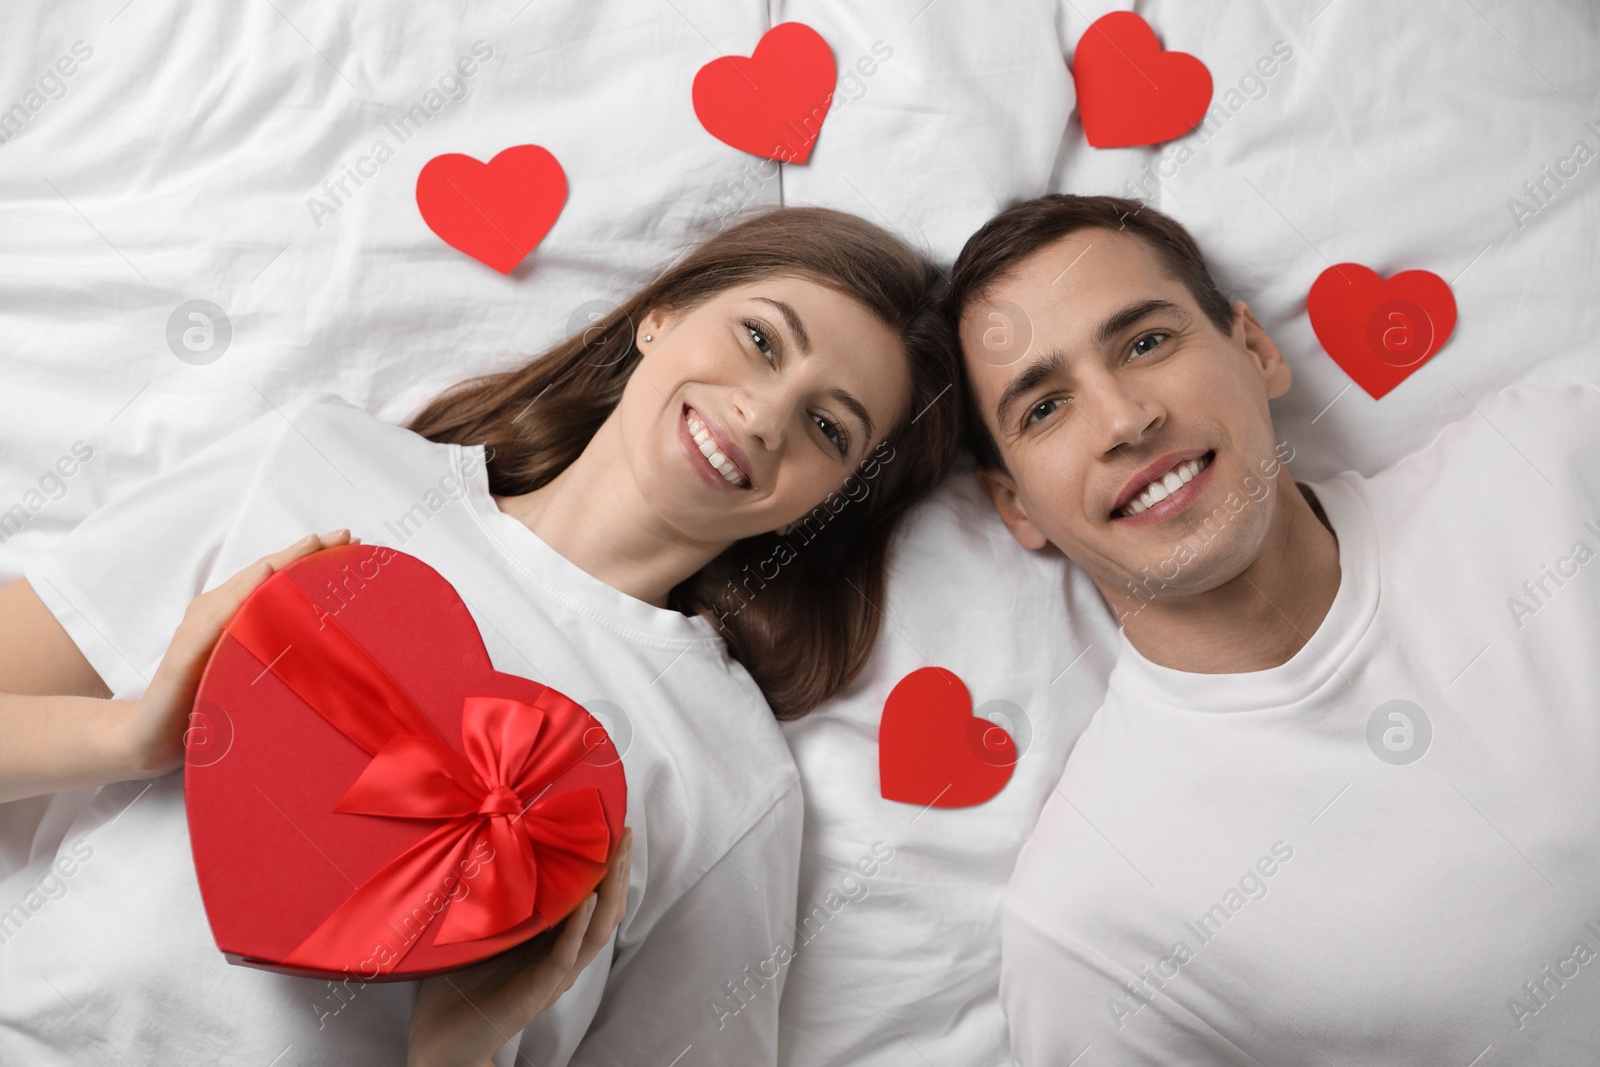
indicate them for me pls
(593, 514)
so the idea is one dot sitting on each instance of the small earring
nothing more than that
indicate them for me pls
(644, 337)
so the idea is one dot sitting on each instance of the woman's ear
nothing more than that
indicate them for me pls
(655, 325)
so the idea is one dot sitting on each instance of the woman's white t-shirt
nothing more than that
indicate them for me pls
(1385, 850)
(115, 962)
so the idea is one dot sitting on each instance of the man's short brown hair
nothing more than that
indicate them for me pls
(1017, 232)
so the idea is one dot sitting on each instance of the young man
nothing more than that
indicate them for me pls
(1342, 802)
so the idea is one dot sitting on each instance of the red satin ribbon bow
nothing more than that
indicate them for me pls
(547, 848)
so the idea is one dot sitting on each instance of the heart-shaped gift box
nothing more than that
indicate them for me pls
(368, 796)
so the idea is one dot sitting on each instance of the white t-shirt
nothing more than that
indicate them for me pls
(118, 955)
(1384, 851)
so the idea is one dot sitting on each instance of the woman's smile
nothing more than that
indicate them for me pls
(713, 455)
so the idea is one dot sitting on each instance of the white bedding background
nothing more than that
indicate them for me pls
(176, 161)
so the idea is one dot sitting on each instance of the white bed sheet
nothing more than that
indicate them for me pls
(1394, 136)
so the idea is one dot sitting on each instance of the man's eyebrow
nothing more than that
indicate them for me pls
(1041, 368)
(1108, 330)
(795, 326)
(1048, 364)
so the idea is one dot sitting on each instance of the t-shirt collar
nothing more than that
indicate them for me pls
(532, 556)
(1323, 660)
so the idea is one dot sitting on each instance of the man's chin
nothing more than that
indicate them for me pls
(1182, 570)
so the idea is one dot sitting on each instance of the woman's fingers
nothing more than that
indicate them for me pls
(280, 559)
(586, 931)
(221, 602)
(539, 984)
(564, 953)
(613, 902)
(154, 731)
(462, 1018)
(209, 612)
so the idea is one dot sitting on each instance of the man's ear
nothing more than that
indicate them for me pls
(1249, 335)
(1002, 492)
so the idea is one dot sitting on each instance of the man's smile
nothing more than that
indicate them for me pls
(1164, 488)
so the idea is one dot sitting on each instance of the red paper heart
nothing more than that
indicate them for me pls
(773, 102)
(1380, 331)
(1130, 92)
(273, 856)
(495, 212)
(933, 751)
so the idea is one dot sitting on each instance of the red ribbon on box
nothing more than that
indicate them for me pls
(513, 751)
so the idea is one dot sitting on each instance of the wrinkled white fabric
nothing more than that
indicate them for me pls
(115, 958)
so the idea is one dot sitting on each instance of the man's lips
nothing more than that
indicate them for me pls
(1150, 472)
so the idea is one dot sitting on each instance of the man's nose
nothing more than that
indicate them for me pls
(1122, 414)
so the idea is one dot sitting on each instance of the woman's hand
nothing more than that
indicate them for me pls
(462, 1018)
(151, 733)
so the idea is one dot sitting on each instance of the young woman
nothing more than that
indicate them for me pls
(679, 519)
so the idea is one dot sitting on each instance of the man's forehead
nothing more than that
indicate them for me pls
(1063, 295)
(1091, 265)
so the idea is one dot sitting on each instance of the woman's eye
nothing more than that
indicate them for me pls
(1042, 409)
(759, 337)
(837, 436)
(1148, 343)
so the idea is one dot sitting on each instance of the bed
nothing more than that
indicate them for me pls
(160, 161)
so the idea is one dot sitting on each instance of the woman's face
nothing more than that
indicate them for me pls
(745, 412)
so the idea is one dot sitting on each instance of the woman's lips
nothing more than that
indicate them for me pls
(697, 459)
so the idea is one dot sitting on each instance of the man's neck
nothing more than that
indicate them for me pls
(1260, 618)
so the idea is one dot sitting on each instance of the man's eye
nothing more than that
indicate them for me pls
(1148, 343)
(759, 336)
(1042, 409)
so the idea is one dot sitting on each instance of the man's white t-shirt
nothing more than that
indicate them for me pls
(114, 962)
(1384, 851)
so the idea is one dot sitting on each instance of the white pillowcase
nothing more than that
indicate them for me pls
(898, 940)
(1392, 142)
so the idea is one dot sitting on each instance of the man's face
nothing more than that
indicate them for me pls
(1125, 382)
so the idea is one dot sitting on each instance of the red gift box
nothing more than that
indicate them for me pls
(368, 796)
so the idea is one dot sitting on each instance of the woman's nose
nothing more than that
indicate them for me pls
(761, 416)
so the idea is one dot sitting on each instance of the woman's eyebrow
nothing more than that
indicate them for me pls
(855, 407)
(848, 400)
(793, 320)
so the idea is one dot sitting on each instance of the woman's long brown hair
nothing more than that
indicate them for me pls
(800, 611)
